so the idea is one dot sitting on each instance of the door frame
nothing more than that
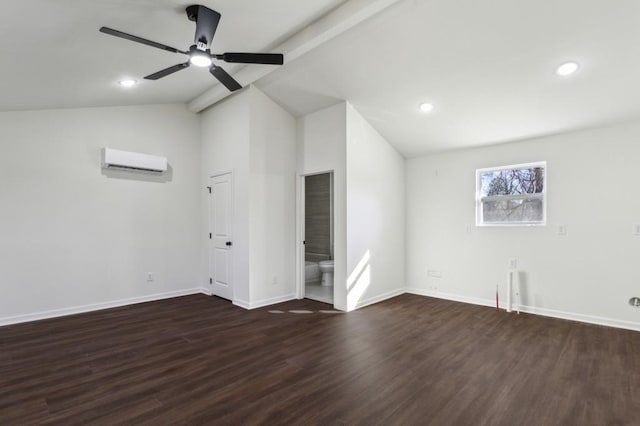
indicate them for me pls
(211, 267)
(301, 226)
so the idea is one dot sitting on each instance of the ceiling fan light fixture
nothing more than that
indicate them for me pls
(199, 58)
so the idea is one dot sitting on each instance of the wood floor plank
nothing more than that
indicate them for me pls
(407, 361)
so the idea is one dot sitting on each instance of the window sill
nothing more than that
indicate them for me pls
(511, 225)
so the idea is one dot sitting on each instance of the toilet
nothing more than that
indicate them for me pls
(326, 268)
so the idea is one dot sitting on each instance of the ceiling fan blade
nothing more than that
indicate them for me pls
(253, 58)
(137, 39)
(165, 72)
(224, 78)
(206, 24)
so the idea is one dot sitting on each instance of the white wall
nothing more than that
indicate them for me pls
(74, 238)
(272, 201)
(225, 147)
(251, 135)
(588, 275)
(321, 148)
(375, 215)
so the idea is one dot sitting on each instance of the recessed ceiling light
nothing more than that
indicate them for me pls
(127, 83)
(567, 68)
(426, 107)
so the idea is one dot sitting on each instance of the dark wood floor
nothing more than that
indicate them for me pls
(410, 360)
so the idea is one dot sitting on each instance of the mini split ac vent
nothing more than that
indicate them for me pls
(134, 161)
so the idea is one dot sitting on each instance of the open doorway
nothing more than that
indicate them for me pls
(318, 237)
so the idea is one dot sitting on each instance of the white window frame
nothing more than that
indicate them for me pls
(479, 200)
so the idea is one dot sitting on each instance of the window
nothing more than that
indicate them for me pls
(512, 195)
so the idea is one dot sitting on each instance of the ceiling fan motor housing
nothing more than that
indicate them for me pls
(193, 49)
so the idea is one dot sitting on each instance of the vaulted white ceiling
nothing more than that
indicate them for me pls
(487, 66)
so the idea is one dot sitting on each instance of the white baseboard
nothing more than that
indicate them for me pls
(379, 298)
(242, 303)
(589, 319)
(96, 306)
(450, 296)
(264, 302)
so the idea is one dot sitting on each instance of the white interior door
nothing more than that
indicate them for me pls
(220, 242)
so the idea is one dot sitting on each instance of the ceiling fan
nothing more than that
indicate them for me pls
(200, 53)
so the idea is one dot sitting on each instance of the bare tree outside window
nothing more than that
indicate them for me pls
(511, 195)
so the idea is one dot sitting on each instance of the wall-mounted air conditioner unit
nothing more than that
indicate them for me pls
(125, 160)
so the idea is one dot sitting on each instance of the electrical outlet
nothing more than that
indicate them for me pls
(513, 263)
(433, 273)
(562, 229)
(468, 229)
(274, 281)
(149, 276)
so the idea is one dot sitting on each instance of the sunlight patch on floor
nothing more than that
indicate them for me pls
(305, 311)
